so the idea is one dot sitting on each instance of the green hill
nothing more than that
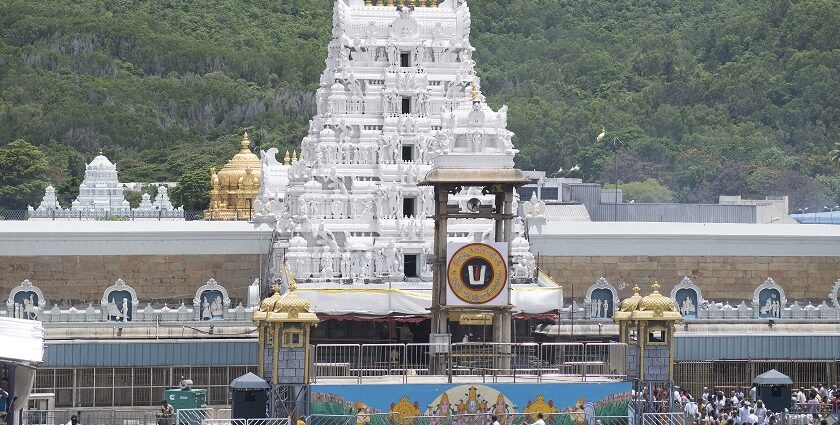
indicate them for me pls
(711, 97)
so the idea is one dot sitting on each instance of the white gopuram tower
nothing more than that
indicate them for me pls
(100, 190)
(399, 91)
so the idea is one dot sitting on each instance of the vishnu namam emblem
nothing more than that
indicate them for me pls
(477, 273)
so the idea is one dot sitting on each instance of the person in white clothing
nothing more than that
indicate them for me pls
(744, 414)
(495, 419)
(539, 420)
(752, 418)
(800, 396)
(760, 412)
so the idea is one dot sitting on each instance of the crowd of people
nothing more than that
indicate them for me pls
(808, 407)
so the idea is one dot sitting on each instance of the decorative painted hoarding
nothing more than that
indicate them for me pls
(560, 403)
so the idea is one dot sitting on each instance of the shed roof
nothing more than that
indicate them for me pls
(772, 377)
(249, 381)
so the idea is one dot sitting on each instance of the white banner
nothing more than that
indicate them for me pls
(477, 274)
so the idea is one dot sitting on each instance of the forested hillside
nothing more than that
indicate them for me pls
(710, 97)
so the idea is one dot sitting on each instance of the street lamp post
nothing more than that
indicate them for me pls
(616, 145)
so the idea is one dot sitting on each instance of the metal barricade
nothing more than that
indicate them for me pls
(663, 419)
(268, 421)
(473, 359)
(605, 360)
(489, 360)
(612, 420)
(337, 361)
(224, 422)
(260, 421)
(88, 416)
(192, 416)
(45, 417)
(563, 360)
(357, 419)
(382, 360)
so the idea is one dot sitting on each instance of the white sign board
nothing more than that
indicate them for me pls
(477, 274)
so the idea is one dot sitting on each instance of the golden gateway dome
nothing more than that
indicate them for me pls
(234, 188)
(657, 302)
(236, 169)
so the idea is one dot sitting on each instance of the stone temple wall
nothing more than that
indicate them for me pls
(719, 277)
(81, 279)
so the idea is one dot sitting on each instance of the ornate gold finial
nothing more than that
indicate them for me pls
(246, 142)
(286, 158)
(100, 150)
(474, 92)
(636, 290)
(367, 3)
(276, 288)
(434, 3)
(294, 156)
(655, 287)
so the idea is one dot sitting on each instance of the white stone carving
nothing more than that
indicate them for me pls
(30, 306)
(534, 208)
(688, 307)
(769, 307)
(834, 295)
(211, 307)
(119, 311)
(600, 307)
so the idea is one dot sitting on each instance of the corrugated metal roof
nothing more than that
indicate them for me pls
(151, 353)
(566, 212)
(742, 347)
(685, 213)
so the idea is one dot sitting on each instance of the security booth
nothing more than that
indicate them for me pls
(774, 389)
(249, 397)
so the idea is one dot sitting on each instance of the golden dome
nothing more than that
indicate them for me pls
(285, 308)
(267, 304)
(631, 303)
(657, 303)
(244, 162)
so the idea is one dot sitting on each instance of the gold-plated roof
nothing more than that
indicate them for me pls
(628, 305)
(656, 307)
(285, 308)
(652, 307)
(244, 162)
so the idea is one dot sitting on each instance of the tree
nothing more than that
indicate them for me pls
(24, 175)
(193, 190)
(649, 190)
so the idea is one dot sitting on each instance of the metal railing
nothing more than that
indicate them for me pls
(193, 416)
(515, 361)
(129, 215)
(89, 417)
(99, 416)
(259, 421)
